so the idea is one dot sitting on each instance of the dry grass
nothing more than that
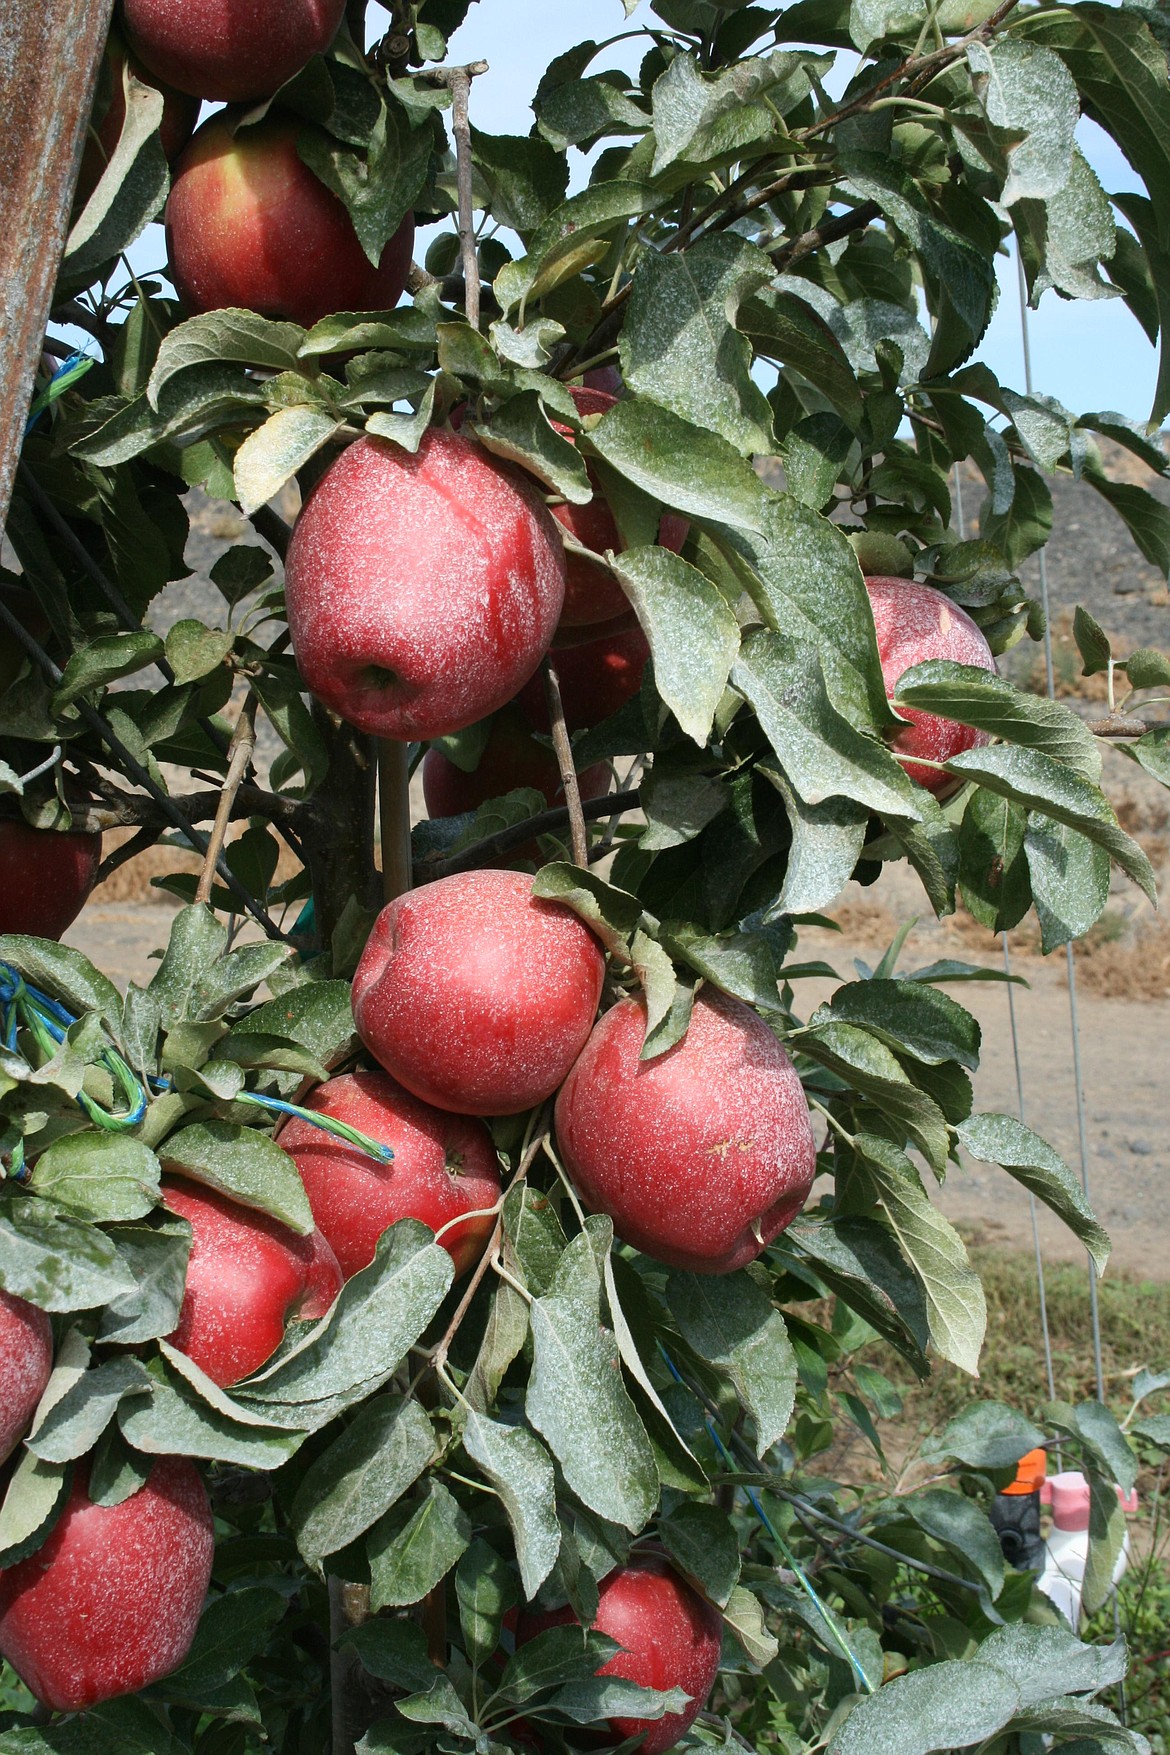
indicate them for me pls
(131, 883)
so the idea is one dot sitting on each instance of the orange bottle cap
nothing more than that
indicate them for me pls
(1030, 1473)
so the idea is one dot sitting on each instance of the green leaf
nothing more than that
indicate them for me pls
(1093, 642)
(233, 1630)
(980, 698)
(520, 1469)
(572, 236)
(1031, 105)
(1152, 752)
(993, 867)
(702, 1543)
(526, 177)
(955, 1704)
(1042, 784)
(859, 1260)
(97, 1176)
(378, 1314)
(957, 1310)
(271, 456)
(156, 1257)
(729, 1321)
(174, 1421)
(520, 431)
(782, 327)
(361, 1475)
(216, 336)
(827, 840)
(378, 186)
(679, 345)
(1001, 1139)
(1144, 516)
(245, 1164)
(128, 1725)
(1070, 880)
(73, 1425)
(745, 1616)
(1141, 266)
(505, 1332)
(486, 1590)
(1079, 234)
(577, 1400)
(64, 974)
(955, 1522)
(677, 806)
(987, 1435)
(1148, 669)
(911, 1018)
(693, 633)
(684, 466)
(194, 651)
(819, 750)
(35, 1494)
(131, 190)
(869, 1067)
(56, 1262)
(410, 1555)
(318, 1015)
(103, 660)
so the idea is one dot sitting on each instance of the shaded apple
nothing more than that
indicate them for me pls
(596, 679)
(249, 224)
(32, 618)
(26, 1360)
(180, 114)
(592, 594)
(111, 1602)
(672, 1638)
(476, 995)
(233, 50)
(247, 1276)
(444, 1165)
(46, 877)
(700, 1156)
(422, 590)
(915, 622)
(511, 758)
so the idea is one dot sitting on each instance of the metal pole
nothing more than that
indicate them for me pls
(1082, 1127)
(49, 55)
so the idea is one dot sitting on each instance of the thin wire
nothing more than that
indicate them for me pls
(1082, 1128)
(961, 525)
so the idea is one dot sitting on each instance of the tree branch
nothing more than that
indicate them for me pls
(458, 82)
(839, 226)
(505, 840)
(578, 835)
(240, 751)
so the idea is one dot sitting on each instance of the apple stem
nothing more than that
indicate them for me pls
(578, 836)
(240, 752)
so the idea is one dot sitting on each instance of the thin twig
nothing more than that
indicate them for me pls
(578, 835)
(458, 82)
(505, 840)
(133, 769)
(240, 751)
(839, 226)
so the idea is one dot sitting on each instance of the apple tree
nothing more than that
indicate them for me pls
(632, 525)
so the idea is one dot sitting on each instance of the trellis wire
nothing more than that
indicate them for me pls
(1078, 1078)
(1020, 1104)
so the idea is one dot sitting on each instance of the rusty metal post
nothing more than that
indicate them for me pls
(49, 55)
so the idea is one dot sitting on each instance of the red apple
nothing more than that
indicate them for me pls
(592, 594)
(111, 1602)
(422, 590)
(475, 995)
(511, 758)
(246, 1277)
(26, 1359)
(701, 1156)
(672, 1638)
(45, 877)
(915, 622)
(234, 50)
(180, 114)
(607, 378)
(596, 679)
(248, 224)
(444, 1165)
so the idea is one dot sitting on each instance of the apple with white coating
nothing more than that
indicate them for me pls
(111, 1601)
(915, 622)
(444, 1165)
(232, 50)
(511, 758)
(423, 590)
(476, 995)
(700, 1156)
(247, 1276)
(596, 678)
(26, 1360)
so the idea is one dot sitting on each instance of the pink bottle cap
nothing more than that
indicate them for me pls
(1068, 1496)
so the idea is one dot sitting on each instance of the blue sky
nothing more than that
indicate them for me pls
(1090, 354)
